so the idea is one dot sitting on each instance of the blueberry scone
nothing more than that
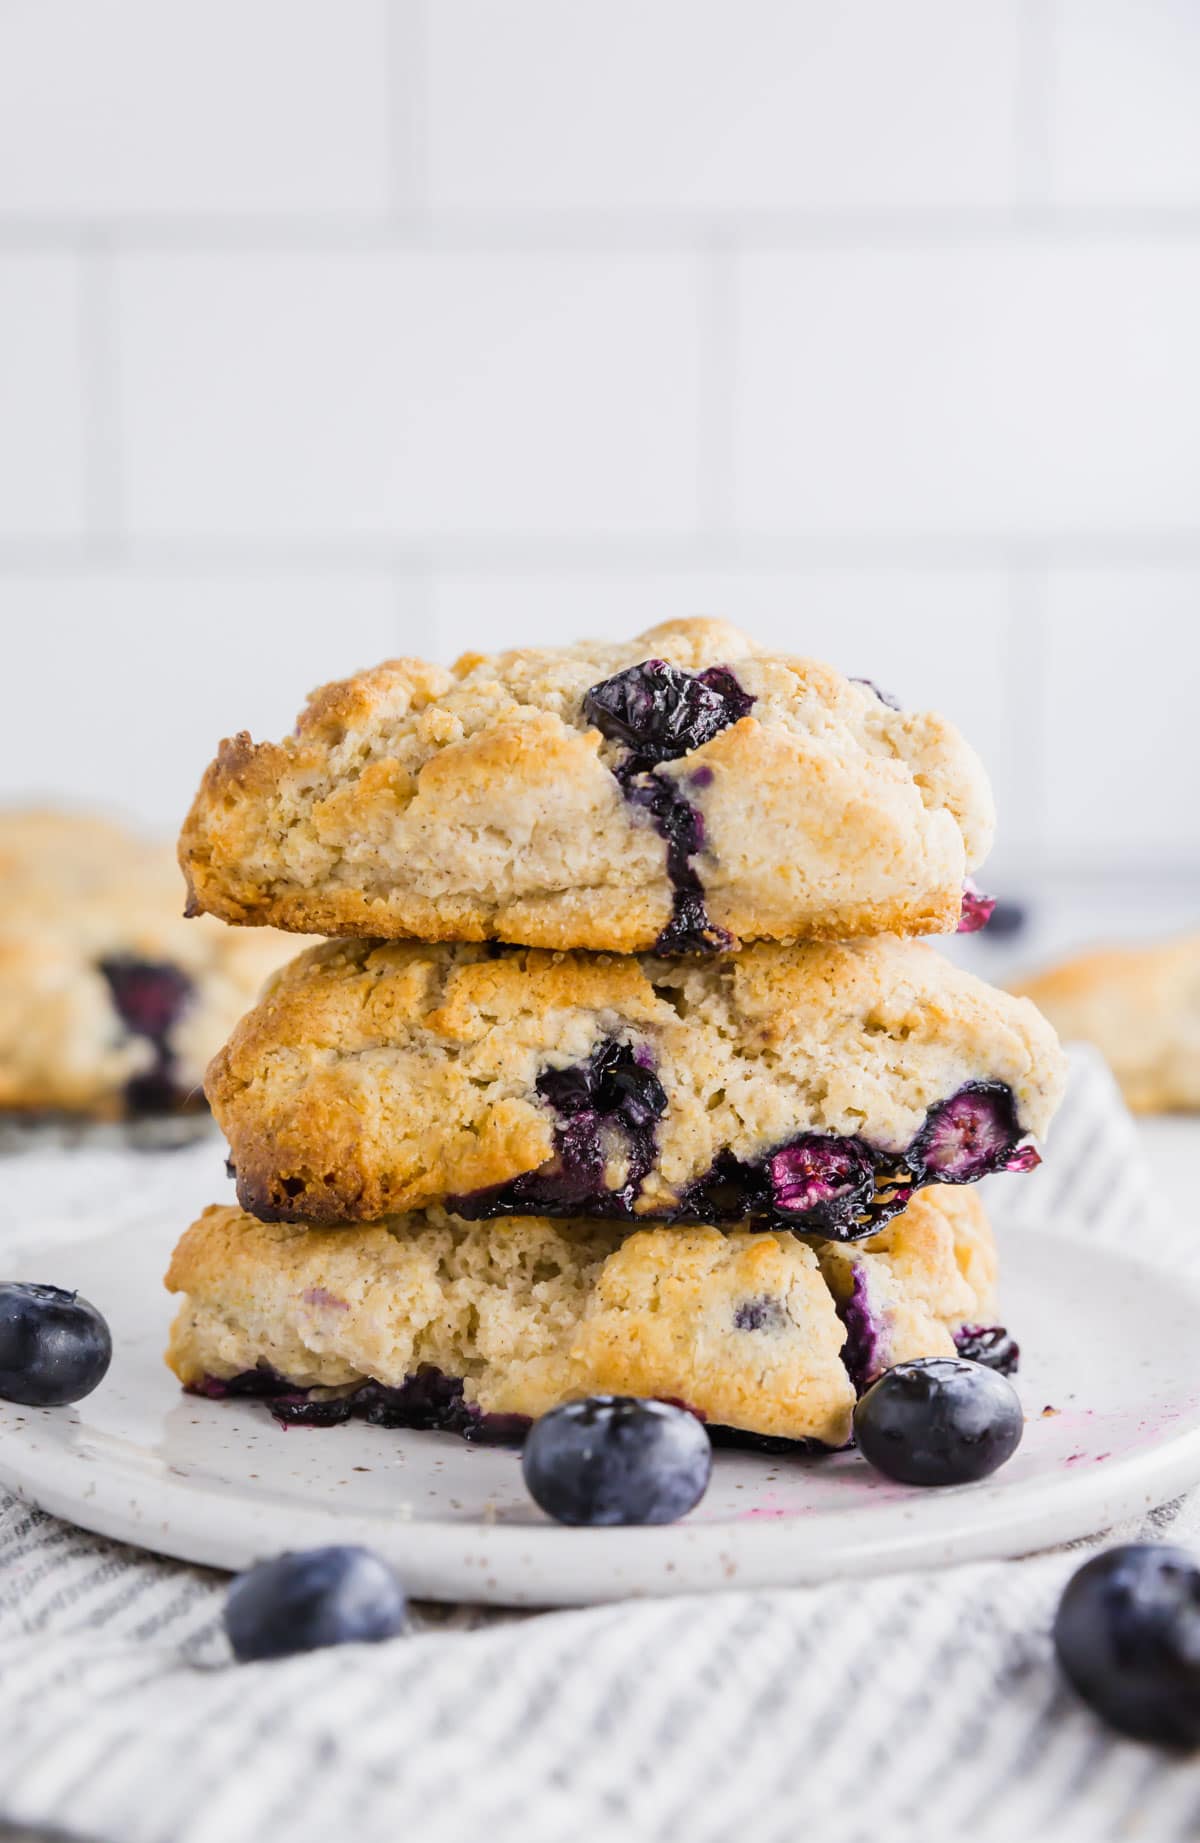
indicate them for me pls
(811, 1087)
(428, 1321)
(111, 1004)
(683, 792)
(1140, 1006)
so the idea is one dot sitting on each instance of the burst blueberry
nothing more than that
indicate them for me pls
(54, 1346)
(822, 1179)
(973, 1133)
(977, 909)
(690, 929)
(1127, 1635)
(617, 1460)
(612, 1090)
(860, 1353)
(661, 712)
(150, 995)
(990, 1345)
(939, 1421)
(427, 1400)
(307, 1600)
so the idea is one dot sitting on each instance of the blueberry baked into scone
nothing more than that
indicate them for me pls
(683, 792)
(111, 1003)
(428, 1321)
(813, 1087)
(1140, 1006)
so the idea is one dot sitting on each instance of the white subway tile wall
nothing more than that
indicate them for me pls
(1021, 389)
(43, 405)
(328, 332)
(762, 105)
(409, 394)
(125, 683)
(132, 109)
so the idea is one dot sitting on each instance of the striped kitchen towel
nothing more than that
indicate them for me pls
(919, 1706)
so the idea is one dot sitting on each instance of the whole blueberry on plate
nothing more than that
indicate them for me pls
(617, 1459)
(939, 1421)
(1127, 1634)
(54, 1346)
(306, 1600)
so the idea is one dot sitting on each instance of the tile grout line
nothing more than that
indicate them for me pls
(414, 604)
(999, 553)
(517, 233)
(1034, 110)
(406, 28)
(100, 398)
(716, 461)
(1025, 695)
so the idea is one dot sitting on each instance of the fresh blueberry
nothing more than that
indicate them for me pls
(939, 1421)
(977, 909)
(303, 1601)
(662, 712)
(617, 1459)
(973, 1133)
(54, 1346)
(1127, 1634)
(990, 1345)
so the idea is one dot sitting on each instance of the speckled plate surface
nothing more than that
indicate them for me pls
(1110, 1381)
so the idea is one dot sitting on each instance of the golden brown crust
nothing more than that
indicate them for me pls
(742, 1327)
(75, 891)
(379, 1076)
(1140, 1006)
(478, 804)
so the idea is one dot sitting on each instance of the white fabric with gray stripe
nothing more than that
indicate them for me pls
(909, 1707)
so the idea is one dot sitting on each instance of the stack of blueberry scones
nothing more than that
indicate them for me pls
(621, 1070)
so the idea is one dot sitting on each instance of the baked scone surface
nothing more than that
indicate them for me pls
(431, 1321)
(682, 791)
(1140, 1006)
(813, 1086)
(111, 1003)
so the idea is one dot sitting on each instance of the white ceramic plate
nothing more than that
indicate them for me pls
(1106, 1346)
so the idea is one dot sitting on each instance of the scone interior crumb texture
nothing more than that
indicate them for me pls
(111, 1002)
(769, 1333)
(375, 1077)
(1140, 1006)
(728, 795)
